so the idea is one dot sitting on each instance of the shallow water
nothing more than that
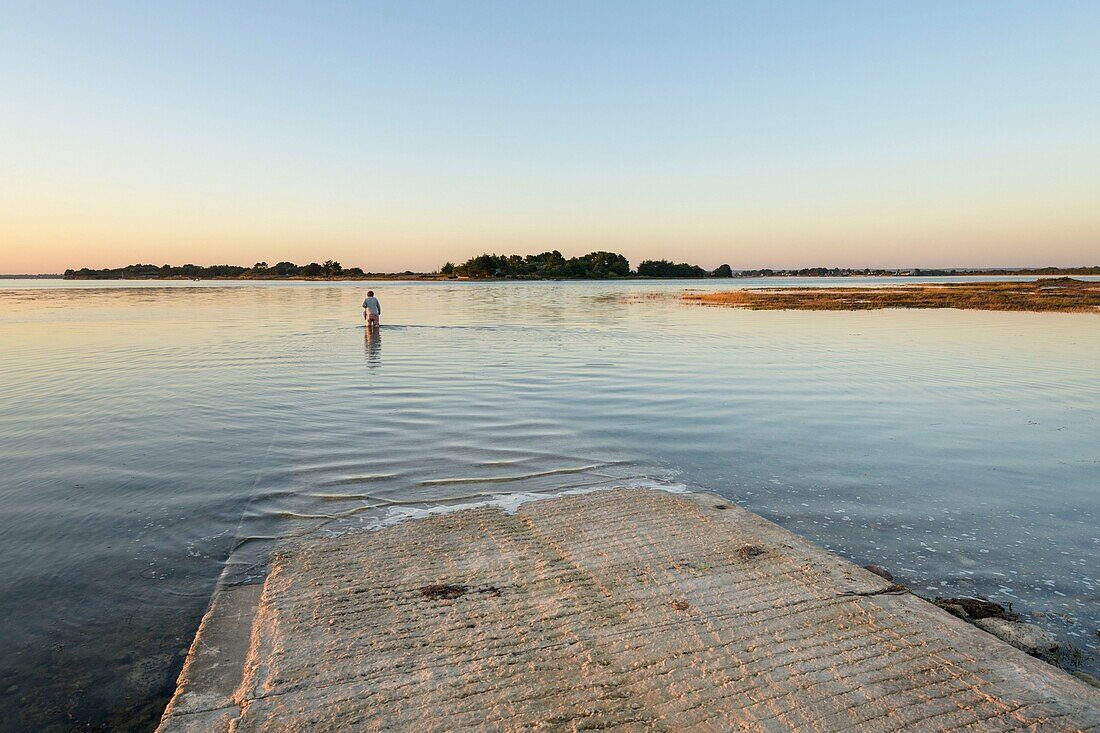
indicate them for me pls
(149, 431)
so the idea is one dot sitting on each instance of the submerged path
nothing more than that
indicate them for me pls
(625, 610)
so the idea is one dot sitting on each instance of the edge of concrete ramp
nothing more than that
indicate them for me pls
(214, 667)
(625, 610)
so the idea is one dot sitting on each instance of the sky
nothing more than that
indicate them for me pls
(394, 136)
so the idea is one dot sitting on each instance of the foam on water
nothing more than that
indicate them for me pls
(509, 503)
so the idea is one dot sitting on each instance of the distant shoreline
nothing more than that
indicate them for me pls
(552, 265)
(341, 278)
(56, 276)
(119, 274)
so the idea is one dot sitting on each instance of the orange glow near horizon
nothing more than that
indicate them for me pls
(44, 235)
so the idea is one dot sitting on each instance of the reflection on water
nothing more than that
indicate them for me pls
(150, 433)
(372, 339)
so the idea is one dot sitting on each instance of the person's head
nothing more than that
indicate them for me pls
(370, 293)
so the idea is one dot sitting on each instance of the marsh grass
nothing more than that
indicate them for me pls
(1063, 294)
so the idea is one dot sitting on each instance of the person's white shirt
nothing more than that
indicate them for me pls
(371, 304)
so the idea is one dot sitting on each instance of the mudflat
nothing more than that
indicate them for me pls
(1063, 294)
(625, 610)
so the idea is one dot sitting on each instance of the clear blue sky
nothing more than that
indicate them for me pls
(400, 135)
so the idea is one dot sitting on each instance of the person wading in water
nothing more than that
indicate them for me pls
(372, 311)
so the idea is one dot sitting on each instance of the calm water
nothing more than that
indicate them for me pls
(150, 432)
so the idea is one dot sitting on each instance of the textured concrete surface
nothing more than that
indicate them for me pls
(215, 664)
(625, 610)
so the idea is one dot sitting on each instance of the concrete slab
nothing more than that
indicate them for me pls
(215, 664)
(624, 610)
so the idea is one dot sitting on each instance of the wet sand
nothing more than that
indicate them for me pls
(623, 610)
(1062, 294)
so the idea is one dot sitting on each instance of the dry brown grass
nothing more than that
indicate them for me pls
(1062, 294)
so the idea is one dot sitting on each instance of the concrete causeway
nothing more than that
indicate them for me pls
(624, 610)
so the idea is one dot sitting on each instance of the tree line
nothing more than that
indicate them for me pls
(545, 266)
(555, 266)
(330, 269)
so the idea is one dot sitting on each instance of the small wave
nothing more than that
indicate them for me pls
(331, 466)
(344, 497)
(242, 541)
(287, 514)
(517, 477)
(353, 480)
(511, 502)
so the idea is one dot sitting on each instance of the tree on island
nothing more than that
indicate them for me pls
(545, 266)
(605, 263)
(592, 266)
(258, 271)
(664, 268)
